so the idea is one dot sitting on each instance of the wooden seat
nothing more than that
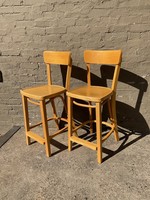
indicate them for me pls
(42, 95)
(95, 97)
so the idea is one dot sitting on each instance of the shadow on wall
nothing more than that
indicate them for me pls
(1, 77)
(129, 117)
(130, 120)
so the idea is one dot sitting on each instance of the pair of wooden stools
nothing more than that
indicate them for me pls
(93, 96)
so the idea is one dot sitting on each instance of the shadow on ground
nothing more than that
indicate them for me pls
(1, 77)
(130, 120)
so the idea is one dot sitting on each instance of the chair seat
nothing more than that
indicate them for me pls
(91, 93)
(43, 92)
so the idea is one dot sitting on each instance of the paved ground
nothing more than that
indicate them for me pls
(27, 174)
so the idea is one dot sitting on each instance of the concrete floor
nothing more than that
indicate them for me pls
(27, 174)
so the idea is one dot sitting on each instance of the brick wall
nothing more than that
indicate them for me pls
(28, 27)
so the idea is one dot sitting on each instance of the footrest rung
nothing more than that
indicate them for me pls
(36, 137)
(83, 142)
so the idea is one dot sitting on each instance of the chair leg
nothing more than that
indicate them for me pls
(45, 127)
(99, 132)
(26, 118)
(69, 123)
(91, 123)
(114, 117)
(54, 112)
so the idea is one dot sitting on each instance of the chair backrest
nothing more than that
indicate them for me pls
(58, 58)
(104, 57)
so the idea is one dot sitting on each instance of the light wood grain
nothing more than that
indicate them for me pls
(44, 94)
(96, 96)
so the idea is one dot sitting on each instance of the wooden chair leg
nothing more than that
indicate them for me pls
(69, 122)
(99, 132)
(114, 117)
(54, 112)
(66, 110)
(45, 127)
(26, 118)
(91, 123)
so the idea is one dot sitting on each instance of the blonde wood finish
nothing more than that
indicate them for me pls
(70, 134)
(45, 127)
(110, 57)
(99, 132)
(62, 58)
(91, 93)
(36, 137)
(84, 142)
(96, 96)
(45, 94)
(57, 57)
(26, 117)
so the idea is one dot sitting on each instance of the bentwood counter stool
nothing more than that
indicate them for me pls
(42, 95)
(95, 97)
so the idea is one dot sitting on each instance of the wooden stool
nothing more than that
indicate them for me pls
(95, 97)
(45, 94)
